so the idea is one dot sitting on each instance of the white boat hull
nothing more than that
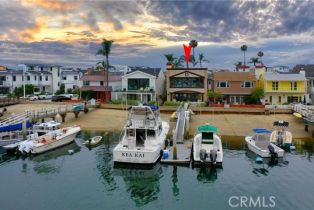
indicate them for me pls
(142, 155)
(9, 141)
(197, 146)
(265, 153)
(64, 140)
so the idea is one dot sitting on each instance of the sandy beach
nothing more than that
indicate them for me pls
(228, 124)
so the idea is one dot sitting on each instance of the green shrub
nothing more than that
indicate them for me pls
(172, 103)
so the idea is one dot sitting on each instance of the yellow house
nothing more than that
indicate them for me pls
(281, 88)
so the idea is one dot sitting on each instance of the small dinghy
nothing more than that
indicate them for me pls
(207, 146)
(260, 144)
(93, 141)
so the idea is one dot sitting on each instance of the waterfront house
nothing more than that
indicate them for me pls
(143, 84)
(234, 86)
(281, 88)
(309, 74)
(187, 84)
(94, 83)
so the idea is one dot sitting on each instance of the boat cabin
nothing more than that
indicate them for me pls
(208, 133)
(46, 127)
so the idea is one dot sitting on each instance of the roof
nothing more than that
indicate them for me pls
(96, 88)
(41, 65)
(309, 69)
(147, 70)
(207, 128)
(272, 76)
(93, 78)
(234, 76)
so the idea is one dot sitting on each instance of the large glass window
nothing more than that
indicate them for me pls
(247, 84)
(275, 85)
(187, 82)
(223, 84)
(137, 84)
(294, 85)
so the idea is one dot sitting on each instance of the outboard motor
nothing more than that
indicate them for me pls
(213, 156)
(273, 154)
(203, 155)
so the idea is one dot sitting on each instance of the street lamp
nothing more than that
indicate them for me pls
(24, 70)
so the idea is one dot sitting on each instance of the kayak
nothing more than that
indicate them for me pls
(93, 141)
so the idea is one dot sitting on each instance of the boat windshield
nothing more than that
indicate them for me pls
(207, 137)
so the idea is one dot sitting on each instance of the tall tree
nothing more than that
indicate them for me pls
(193, 61)
(254, 60)
(201, 59)
(194, 44)
(244, 49)
(260, 54)
(178, 62)
(170, 58)
(105, 51)
(238, 65)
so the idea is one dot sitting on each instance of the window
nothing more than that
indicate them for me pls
(46, 78)
(64, 78)
(101, 83)
(247, 84)
(279, 99)
(58, 73)
(137, 84)
(275, 86)
(270, 99)
(187, 82)
(35, 78)
(75, 77)
(28, 78)
(41, 68)
(294, 85)
(223, 84)
(86, 83)
(58, 83)
(14, 78)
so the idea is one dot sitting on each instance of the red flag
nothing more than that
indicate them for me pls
(187, 52)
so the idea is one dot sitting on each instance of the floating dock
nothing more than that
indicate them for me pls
(180, 152)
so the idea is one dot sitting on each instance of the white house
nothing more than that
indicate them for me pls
(142, 84)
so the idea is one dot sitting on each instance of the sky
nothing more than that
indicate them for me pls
(69, 33)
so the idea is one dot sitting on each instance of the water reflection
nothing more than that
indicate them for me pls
(305, 147)
(263, 169)
(105, 163)
(175, 187)
(207, 174)
(142, 184)
(47, 163)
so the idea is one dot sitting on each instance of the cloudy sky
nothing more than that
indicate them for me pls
(70, 32)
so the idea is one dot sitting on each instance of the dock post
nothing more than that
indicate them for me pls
(63, 117)
(306, 127)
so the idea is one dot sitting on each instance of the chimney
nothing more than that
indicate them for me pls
(169, 66)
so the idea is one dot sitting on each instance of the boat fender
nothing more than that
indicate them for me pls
(213, 156)
(259, 160)
(203, 155)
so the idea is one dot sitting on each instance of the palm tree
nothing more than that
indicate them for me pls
(254, 60)
(178, 62)
(105, 51)
(193, 61)
(194, 44)
(260, 54)
(201, 59)
(170, 58)
(238, 65)
(243, 49)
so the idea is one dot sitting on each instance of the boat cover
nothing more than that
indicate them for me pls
(207, 128)
(281, 123)
(15, 127)
(261, 130)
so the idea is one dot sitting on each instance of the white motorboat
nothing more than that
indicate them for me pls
(260, 144)
(10, 140)
(43, 128)
(93, 141)
(280, 136)
(49, 141)
(207, 146)
(143, 137)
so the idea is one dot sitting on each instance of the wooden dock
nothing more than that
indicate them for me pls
(183, 154)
